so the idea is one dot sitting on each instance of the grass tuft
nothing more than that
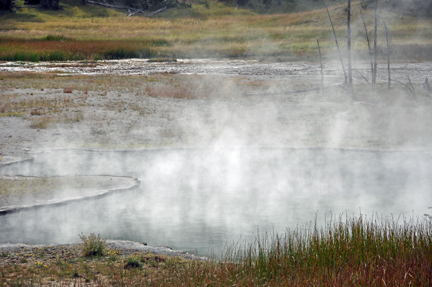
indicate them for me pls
(58, 38)
(41, 123)
(93, 245)
(132, 263)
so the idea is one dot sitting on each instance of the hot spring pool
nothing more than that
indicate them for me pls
(200, 199)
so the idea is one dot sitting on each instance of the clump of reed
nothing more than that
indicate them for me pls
(348, 252)
(354, 251)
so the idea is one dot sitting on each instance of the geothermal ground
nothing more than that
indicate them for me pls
(209, 106)
(136, 104)
(214, 105)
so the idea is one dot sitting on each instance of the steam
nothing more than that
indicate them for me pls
(200, 198)
(217, 168)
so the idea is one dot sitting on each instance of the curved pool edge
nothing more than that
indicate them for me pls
(8, 160)
(240, 147)
(134, 183)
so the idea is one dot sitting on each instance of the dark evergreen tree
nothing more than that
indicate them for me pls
(50, 4)
(242, 2)
(6, 5)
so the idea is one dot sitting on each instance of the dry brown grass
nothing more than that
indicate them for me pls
(176, 92)
(64, 266)
(42, 110)
(190, 87)
(41, 123)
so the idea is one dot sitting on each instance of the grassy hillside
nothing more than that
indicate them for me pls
(207, 29)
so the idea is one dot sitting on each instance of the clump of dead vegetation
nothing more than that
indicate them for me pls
(43, 111)
(192, 88)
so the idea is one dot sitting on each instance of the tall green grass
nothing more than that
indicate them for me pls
(59, 48)
(350, 252)
(354, 251)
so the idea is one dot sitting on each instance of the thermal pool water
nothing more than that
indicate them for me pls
(201, 200)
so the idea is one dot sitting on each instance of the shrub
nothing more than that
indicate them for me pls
(75, 274)
(58, 38)
(93, 245)
(132, 263)
(50, 4)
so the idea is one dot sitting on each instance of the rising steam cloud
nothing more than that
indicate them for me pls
(236, 162)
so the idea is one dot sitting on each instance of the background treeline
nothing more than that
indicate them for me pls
(411, 7)
(6, 5)
(9, 5)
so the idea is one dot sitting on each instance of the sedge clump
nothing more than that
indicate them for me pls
(93, 245)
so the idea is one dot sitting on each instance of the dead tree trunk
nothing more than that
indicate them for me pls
(388, 53)
(350, 80)
(375, 47)
(322, 74)
(337, 44)
(368, 42)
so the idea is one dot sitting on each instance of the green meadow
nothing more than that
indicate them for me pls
(206, 29)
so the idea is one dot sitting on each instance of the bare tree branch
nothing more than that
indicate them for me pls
(362, 76)
(337, 44)
(368, 42)
(131, 11)
(413, 90)
(408, 87)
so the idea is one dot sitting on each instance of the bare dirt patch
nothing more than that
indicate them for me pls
(59, 265)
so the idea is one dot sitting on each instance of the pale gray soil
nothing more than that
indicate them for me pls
(124, 247)
(222, 113)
